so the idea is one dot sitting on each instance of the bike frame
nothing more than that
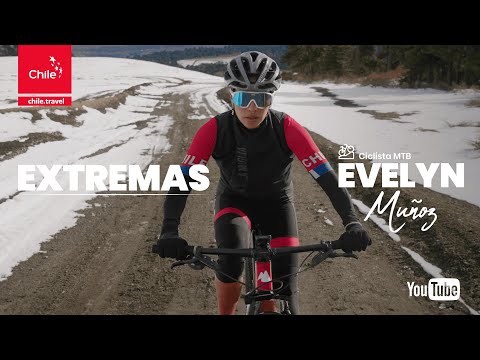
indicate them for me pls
(261, 276)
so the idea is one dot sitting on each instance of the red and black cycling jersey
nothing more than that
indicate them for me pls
(256, 163)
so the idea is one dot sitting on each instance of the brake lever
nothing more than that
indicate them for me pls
(197, 265)
(321, 256)
(183, 262)
(207, 261)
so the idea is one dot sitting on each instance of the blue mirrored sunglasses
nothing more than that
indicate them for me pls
(244, 98)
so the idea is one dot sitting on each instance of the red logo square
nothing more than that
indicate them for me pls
(44, 70)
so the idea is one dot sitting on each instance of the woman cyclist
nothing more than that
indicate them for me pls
(254, 147)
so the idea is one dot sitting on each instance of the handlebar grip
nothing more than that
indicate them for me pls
(190, 249)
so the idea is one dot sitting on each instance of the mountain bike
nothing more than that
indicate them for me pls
(259, 285)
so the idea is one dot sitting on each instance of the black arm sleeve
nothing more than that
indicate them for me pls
(338, 196)
(174, 206)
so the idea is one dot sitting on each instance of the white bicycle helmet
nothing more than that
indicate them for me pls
(253, 71)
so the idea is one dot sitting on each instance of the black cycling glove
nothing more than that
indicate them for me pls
(355, 238)
(172, 246)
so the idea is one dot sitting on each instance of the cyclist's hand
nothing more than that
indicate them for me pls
(355, 238)
(172, 246)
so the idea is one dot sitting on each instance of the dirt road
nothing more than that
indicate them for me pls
(103, 264)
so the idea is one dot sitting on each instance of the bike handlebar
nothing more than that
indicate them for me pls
(252, 252)
(197, 259)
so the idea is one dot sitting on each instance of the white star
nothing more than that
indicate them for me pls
(61, 71)
(52, 59)
(53, 64)
(56, 67)
(58, 62)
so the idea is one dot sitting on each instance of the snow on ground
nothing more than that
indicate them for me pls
(28, 219)
(204, 98)
(205, 60)
(102, 139)
(427, 134)
(327, 221)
